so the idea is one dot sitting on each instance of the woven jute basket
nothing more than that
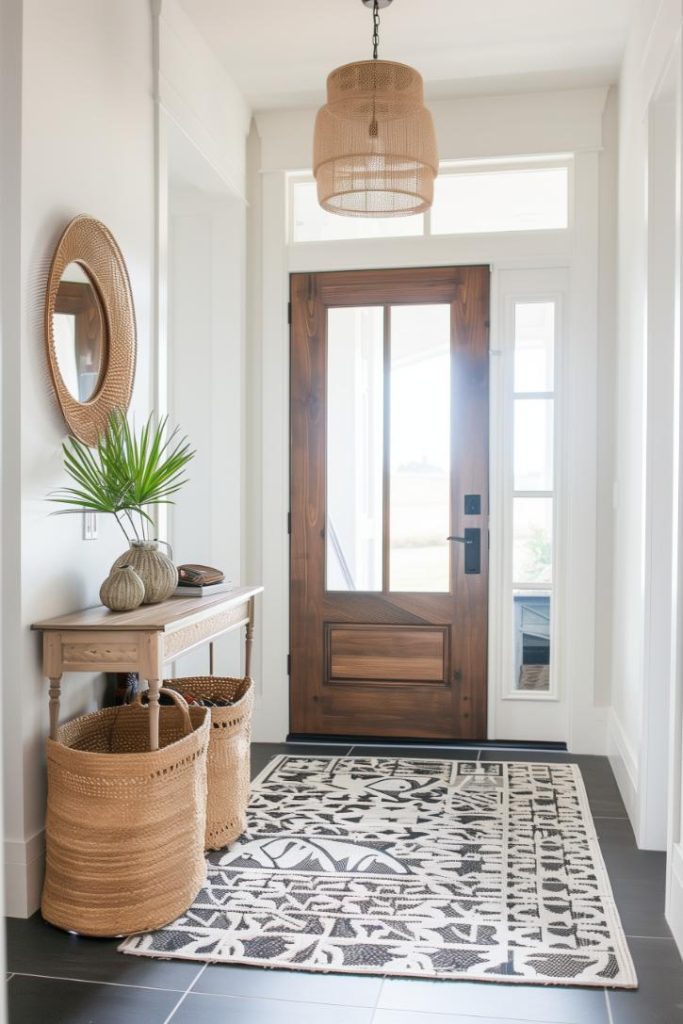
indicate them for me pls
(125, 825)
(228, 774)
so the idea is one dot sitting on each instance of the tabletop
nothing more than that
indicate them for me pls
(155, 618)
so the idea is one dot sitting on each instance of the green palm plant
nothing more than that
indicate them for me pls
(125, 474)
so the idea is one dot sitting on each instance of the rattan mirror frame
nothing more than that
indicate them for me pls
(87, 241)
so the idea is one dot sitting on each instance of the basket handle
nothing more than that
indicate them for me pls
(179, 702)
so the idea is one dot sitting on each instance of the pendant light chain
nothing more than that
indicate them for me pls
(373, 128)
(375, 30)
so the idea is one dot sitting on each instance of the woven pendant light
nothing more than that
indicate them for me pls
(374, 152)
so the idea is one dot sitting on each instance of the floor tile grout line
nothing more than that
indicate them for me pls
(610, 1018)
(486, 1018)
(176, 1007)
(95, 981)
(183, 997)
(296, 1001)
(379, 997)
(197, 976)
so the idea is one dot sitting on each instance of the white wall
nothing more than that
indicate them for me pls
(10, 167)
(86, 75)
(607, 310)
(644, 533)
(85, 66)
(206, 390)
(201, 149)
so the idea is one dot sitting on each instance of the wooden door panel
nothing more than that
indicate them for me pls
(352, 711)
(361, 653)
(384, 663)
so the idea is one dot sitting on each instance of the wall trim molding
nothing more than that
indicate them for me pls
(674, 904)
(468, 127)
(624, 762)
(24, 871)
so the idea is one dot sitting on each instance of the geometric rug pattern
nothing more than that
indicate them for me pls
(477, 870)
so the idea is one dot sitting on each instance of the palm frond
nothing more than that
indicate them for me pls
(125, 472)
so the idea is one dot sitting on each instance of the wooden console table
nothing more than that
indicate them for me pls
(144, 640)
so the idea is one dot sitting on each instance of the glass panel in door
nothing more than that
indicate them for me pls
(420, 448)
(355, 416)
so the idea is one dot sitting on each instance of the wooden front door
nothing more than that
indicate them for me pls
(389, 503)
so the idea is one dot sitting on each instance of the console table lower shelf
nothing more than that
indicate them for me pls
(143, 641)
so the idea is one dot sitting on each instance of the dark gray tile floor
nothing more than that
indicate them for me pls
(56, 978)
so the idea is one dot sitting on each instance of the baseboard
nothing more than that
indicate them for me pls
(674, 901)
(24, 871)
(407, 741)
(624, 764)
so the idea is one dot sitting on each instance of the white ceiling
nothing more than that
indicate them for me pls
(280, 51)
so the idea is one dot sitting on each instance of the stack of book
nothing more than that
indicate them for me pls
(200, 581)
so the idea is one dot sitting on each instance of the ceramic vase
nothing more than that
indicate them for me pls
(122, 590)
(156, 570)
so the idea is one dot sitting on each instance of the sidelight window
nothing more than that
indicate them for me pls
(533, 494)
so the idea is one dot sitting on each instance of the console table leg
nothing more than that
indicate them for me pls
(249, 640)
(55, 695)
(154, 685)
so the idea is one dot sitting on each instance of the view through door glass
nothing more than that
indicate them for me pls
(389, 502)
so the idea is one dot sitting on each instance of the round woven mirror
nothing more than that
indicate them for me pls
(90, 328)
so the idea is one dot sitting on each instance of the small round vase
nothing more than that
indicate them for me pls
(122, 590)
(156, 570)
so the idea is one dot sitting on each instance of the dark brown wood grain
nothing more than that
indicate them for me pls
(386, 653)
(328, 694)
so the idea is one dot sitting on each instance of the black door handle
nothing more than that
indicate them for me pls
(472, 542)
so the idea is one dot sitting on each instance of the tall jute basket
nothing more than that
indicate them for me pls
(228, 774)
(125, 825)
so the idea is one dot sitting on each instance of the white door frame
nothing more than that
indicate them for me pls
(577, 250)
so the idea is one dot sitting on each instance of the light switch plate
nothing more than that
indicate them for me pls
(90, 526)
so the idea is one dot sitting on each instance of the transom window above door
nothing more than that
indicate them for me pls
(493, 197)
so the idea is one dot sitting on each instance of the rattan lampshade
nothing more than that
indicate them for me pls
(374, 150)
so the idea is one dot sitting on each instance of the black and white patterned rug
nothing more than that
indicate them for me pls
(484, 871)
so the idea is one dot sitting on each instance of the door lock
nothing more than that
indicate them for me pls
(472, 542)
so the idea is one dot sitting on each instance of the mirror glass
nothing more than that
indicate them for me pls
(79, 333)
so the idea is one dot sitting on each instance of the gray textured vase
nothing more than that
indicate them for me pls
(156, 570)
(122, 590)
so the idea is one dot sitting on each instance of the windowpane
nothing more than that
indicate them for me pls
(355, 347)
(420, 448)
(310, 223)
(532, 535)
(532, 640)
(534, 346)
(527, 199)
(533, 442)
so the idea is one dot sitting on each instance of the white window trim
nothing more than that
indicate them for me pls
(502, 585)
